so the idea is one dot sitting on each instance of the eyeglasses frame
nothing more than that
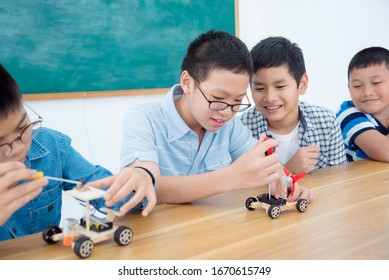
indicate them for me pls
(222, 102)
(40, 120)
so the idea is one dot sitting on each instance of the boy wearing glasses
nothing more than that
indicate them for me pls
(192, 141)
(309, 136)
(28, 205)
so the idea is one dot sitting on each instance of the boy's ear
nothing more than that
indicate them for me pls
(185, 81)
(303, 84)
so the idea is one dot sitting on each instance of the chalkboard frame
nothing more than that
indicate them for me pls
(109, 93)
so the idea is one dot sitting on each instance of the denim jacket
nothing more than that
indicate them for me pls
(51, 152)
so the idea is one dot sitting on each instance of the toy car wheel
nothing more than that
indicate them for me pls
(123, 235)
(274, 211)
(49, 232)
(83, 247)
(248, 203)
(302, 205)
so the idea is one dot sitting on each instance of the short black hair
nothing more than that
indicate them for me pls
(217, 50)
(10, 96)
(369, 57)
(279, 51)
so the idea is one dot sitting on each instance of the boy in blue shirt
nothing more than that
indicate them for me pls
(192, 141)
(309, 137)
(28, 205)
(365, 119)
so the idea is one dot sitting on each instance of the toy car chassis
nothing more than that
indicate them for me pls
(274, 207)
(82, 235)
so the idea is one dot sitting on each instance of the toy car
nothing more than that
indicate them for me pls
(274, 207)
(82, 235)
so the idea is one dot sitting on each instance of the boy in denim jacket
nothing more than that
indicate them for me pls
(28, 205)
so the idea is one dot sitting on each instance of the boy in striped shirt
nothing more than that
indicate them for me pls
(364, 120)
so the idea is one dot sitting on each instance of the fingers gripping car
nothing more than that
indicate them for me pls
(275, 206)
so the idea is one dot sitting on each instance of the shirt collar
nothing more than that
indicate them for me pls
(37, 150)
(254, 114)
(176, 127)
(304, 118)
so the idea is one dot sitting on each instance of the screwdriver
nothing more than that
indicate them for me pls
(41, 175)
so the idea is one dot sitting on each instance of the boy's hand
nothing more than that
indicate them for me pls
(13, 197)
(128, 180)
(304, 160)
(254, 169)
(277, 189)
(299, 192)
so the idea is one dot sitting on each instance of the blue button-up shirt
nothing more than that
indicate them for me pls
(52, 153)
(156, 132)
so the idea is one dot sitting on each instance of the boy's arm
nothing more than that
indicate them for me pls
(251, 170)
(374, 144)
(304, 160)
(136, 182)
(358, 129)
(130, 181)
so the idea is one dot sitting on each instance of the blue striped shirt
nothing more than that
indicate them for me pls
(354, 122)
(317, 126)
(156, 132)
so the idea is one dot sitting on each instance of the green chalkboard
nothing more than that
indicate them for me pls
(54, 46)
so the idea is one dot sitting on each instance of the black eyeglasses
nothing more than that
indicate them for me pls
(220, 105)
(28, 133)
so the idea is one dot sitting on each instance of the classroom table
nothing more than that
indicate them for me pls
(347, 219)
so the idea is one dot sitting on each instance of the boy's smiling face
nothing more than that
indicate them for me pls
(10, 129)
(369, 90)
(275, 93)
(220, 85)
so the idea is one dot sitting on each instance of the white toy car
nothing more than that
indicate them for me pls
(83, 234)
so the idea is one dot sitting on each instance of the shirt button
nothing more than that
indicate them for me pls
(50, 207)
(14, 230)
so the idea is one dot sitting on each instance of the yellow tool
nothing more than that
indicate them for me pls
(40, 175)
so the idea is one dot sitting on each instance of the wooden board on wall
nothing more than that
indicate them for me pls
(72, 46)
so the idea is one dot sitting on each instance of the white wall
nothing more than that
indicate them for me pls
(94, 124)
(330, 32)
